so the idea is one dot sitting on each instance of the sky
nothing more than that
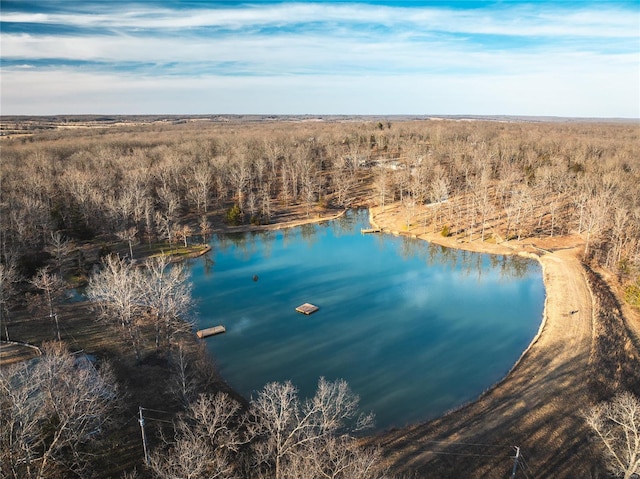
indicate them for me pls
(368, 57)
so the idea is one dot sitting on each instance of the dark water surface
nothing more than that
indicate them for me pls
(415, 329)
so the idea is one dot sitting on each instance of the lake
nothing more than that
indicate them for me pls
(415, 329)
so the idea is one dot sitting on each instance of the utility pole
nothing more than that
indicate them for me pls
(515, 463)
(144, 437)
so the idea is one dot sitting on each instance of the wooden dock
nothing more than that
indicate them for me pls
(365, 231)
(204, 333)
(307, 308)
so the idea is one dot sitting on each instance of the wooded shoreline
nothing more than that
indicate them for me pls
(565, 340)
(560, 193)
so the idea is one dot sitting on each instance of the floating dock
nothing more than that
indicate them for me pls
(307, 308)
(365, 231)
(203, 333)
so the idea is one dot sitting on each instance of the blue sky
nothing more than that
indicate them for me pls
(541, 58)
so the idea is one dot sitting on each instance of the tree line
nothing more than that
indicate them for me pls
(62, 190)
(482, 179)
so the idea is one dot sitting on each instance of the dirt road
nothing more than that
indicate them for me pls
(538, 407)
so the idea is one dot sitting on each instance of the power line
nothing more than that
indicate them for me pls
(141, 420)
(463, 454)
(155, 410)
(71, 335)
(526, 467)
(132, 418)
(468, 444)
(455, 443)
(158, 420)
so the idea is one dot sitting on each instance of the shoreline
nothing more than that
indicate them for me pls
(249, 228)
(526, 250)
(535, 405)
(488, 249)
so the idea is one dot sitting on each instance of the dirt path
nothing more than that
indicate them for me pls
(537, 406)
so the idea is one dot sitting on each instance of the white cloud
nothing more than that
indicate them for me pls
(503, 20)
(303, 54)
(349, 59)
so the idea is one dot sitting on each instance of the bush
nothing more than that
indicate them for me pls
(632, 293)
(234, 215)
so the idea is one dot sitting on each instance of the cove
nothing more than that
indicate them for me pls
(414, 328)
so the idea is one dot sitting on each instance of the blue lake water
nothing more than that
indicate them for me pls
(414, 328)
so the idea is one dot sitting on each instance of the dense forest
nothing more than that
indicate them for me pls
(72, 197)
(496, 180)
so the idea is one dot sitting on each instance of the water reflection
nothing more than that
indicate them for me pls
(208, 264)
(248, 244)
(415, 329)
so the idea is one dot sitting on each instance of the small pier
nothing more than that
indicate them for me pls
(307, 308)
(204, 333)
(366, 231)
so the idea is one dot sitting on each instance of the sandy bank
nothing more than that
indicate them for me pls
(537, 406)
(294, 216)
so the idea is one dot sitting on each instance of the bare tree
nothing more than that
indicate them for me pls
(409, 209)
(287, 428)
(166, 292)
(199, 187)
(165, 227)
(439, 194)
(239, 172)
(617, 426)
(307, 172)
(183, 384)
(482, 200)
(595, 214)
(205, 228)
(129, 235)
(619, 229)
(519, 200)
(80, 193)
(343, 179)
(52, 286)
(115, 289)
(183, 233)
(383, 186)
(50, 412)
(149, 220)
(126, 295)
(8, 276)
(206, 442)
(340, 458)
(60, 247)
(165, 218)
